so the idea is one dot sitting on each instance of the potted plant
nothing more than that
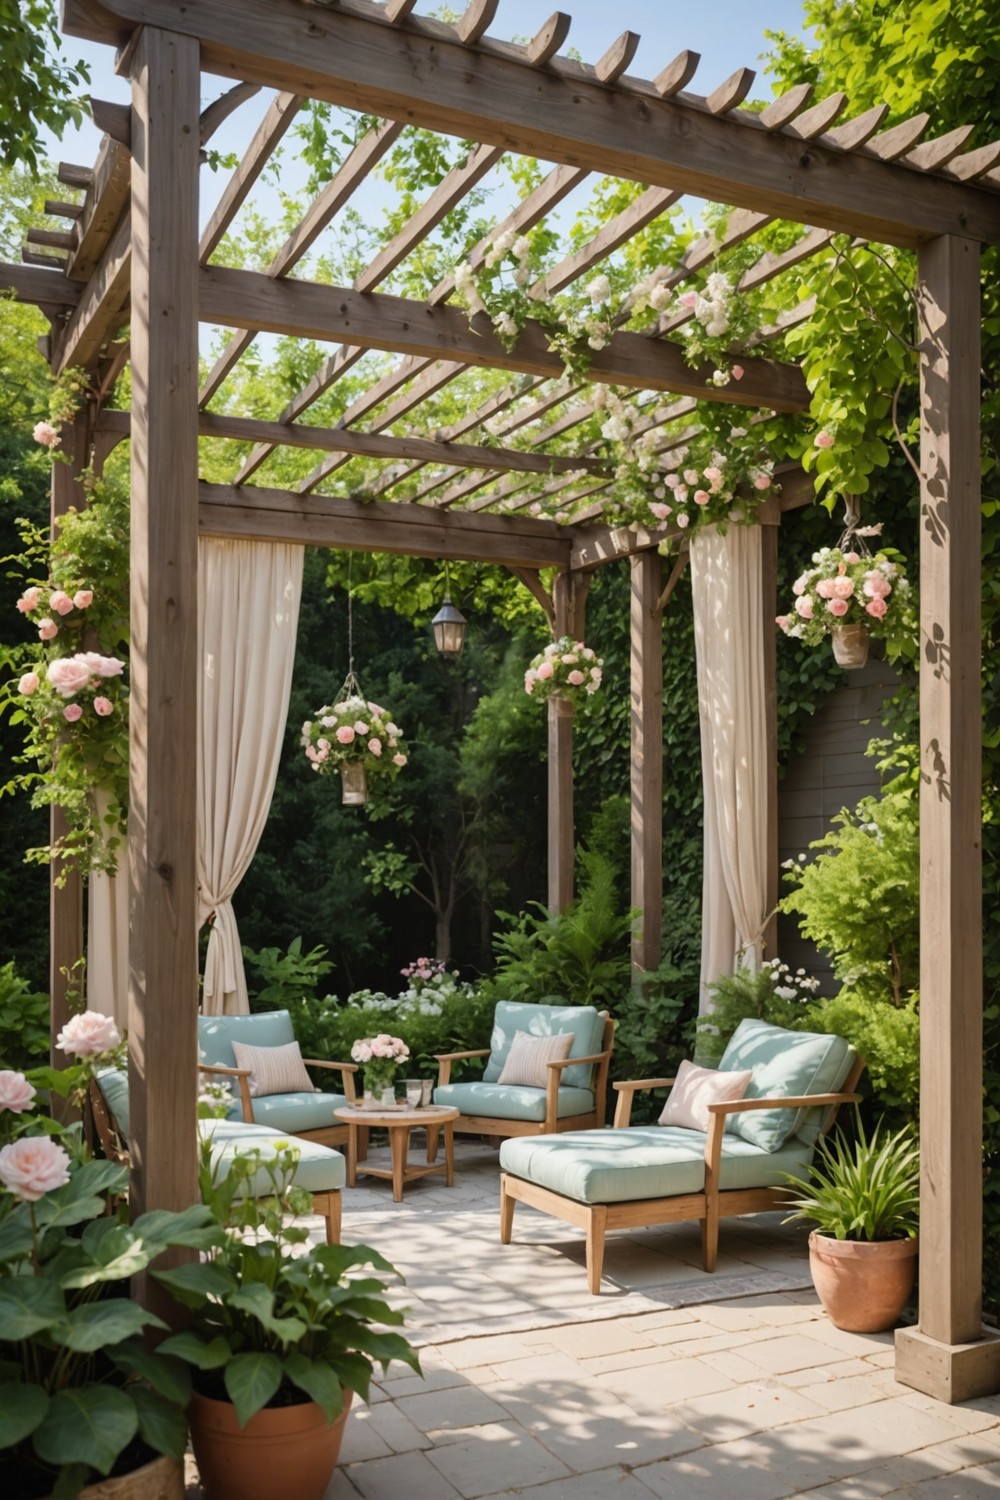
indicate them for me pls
(381, 1056)
(565, 669)
(864, 1198)
(356, 738)
(82, 1397)
(280, 1337)
(850, 596)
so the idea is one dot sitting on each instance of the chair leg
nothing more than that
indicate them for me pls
(596, 1226)
(329, 1205)
(710, 1234)
(507, 1207)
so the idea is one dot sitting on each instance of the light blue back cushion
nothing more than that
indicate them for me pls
(216, 1035)
(583, 1022)
(784, 1063)
(114, 1086)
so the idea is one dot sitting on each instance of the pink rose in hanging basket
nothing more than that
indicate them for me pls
(353, 732)
(848, 587)
(565, 669)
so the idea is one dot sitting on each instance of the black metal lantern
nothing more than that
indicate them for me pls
(449, 629)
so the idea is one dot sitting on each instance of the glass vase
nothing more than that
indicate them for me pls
(354, 783)
(850, 646)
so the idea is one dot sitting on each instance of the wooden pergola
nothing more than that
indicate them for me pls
(132, 254)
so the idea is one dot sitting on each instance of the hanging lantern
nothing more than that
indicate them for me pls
(449, 629)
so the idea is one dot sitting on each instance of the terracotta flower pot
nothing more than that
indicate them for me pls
(163, 1479)
(863, 1285)
(283, 1451)
(850, 646)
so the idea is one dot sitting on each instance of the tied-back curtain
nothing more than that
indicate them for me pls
(248, 610)
(107, 935)
(729, 640)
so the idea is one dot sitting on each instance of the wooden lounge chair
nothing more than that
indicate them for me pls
(638, 1176)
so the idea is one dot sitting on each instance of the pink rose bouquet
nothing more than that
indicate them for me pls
(565, 669)
(845, 587)
(381, 1056)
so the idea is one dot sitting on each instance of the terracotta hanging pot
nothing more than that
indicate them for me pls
(283, 1451)
(162, 1479)
(850, 646)
(354, 783)
(864, 1285)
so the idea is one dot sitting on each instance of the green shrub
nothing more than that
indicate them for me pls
(887, 1038)
(24, 1022)
(285, 977)
(772, 993)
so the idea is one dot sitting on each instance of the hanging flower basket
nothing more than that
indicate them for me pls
(355, 738)
(565, 669)
(853, 597)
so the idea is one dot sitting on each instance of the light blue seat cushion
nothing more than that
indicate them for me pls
(643, 1161)
(506, 1101)
(784, 1063)
(583, 1023)
(270, 1028)
(319, 1169)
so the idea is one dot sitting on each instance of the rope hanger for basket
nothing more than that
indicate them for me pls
(351, 687)
(852, 538)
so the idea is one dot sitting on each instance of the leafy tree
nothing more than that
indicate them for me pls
(40, 88)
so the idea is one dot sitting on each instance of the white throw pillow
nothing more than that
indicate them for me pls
(528, 1056)
(695, 1089)
(274, 1070)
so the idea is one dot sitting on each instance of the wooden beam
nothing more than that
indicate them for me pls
(280, 114)
(216, 113)
(100, 307)
(595, 546)
(32, 284)
(163, 925)
(769, 790)
(379, 526)
(537, 589)
(248, 299)
(561, 844)
(945, 1355)
(369, 444)
(114, 120)
(105, 202)
(421, 73)
(646, 777)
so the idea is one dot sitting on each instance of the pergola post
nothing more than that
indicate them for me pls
(647, 757)
(770, 520)
(568, 593)
(948, 1355)
(65, 883)
(163, 955)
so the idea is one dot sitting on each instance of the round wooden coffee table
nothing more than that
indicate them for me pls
(399, 1122)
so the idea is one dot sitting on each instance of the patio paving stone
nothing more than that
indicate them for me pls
(496, 1458)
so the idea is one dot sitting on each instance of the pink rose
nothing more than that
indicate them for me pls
(33, 1166)
(399, 759)
(877, 608)
(46, 434)
(680, 494)
(576, 677)
(838, 607)
(784, 621)
(16, 1093)
(72, 712)
(688, 299)
(375, 746)
(690, 476)
(843, 588)
(60, 602)
(544, 670)
(29, 684)
(683, 521)
(823, 440)
(877, 586)
(799, 586)
(345, 734)
(102, 666)
(30, 599)
(103, 706)
(762, 481)
(824, 588)
(393, 729)
(701, 497)
(661, 511)
(804, 608)
(851, 557)
(713, 474)
(83, 597)
(671, 480)
(88, 1034)
(68, 674)
(47, 629)
(737, 372)
(360, 727)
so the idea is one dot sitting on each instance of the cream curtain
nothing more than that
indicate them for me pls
(107, 940)
(248, 609)
(729, 638)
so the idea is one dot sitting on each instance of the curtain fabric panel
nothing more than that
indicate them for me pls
(729, 639)
(248, 610)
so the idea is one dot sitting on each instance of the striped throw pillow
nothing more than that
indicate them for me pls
(274, 1070)
(528, 1055)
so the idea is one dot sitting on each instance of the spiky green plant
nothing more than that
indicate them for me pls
(868, 1189)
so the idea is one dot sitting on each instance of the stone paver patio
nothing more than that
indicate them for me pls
(671, 1384)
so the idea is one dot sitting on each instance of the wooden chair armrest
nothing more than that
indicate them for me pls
(346, 1070)
(804, 1101)
(627, 1089)
(243, 1074)
(570, 1062)
(444, 1061)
